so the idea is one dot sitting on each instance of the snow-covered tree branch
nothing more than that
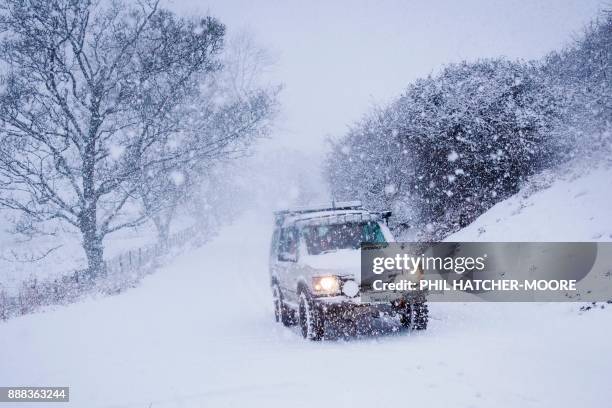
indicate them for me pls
(92, 95)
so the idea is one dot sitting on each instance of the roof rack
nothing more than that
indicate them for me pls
(340, 205)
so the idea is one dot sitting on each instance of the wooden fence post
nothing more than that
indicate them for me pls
(3, 306)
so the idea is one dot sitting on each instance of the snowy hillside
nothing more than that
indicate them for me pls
(50, 257)
(201, 332)
(570, 207)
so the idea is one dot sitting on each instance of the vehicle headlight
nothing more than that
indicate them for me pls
(326, 284)
(350, 288)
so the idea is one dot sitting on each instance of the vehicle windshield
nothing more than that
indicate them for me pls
(326, 238)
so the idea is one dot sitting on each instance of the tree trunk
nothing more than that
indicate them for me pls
(92, 244)
(92, 241)
(162, 224)
(163, 219)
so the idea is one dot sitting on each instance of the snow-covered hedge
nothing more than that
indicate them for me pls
(456, 143)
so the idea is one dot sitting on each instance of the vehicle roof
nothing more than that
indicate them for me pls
(330, 217)
(340, 212)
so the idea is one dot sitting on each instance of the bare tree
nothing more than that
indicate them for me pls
(230, 109)
(88, 103)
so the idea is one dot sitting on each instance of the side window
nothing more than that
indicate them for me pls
(288, 243)
(274, 244)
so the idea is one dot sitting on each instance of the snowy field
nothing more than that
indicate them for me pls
(201, 333)
(66, 252)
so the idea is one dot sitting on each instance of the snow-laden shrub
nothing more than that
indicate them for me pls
(456, 143)
(451, 146)
(582, 73)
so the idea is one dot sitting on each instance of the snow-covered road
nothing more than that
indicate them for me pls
(200, 333)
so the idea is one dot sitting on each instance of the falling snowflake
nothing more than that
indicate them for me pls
(452, 156)
(177, 178)
(115, 151)
(173, 143)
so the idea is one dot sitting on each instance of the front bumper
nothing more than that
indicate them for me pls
(352, 308)
(414, 296)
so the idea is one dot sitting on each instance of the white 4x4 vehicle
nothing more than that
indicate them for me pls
(315, 263)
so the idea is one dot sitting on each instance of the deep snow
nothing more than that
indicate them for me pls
(573, 206)
(201, 333)
(68, 256)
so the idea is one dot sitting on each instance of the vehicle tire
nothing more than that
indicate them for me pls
(310, 318)
(415, 315)
(420, 315)
(281, 312)
(406, 317)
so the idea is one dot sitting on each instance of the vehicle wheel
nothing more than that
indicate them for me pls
(406, 317)
(312, 324)
(415, 315)
(281, 312)
(420, 315)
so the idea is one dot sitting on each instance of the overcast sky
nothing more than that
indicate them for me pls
(336, 58)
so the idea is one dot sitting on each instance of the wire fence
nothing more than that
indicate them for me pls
(119, 273)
